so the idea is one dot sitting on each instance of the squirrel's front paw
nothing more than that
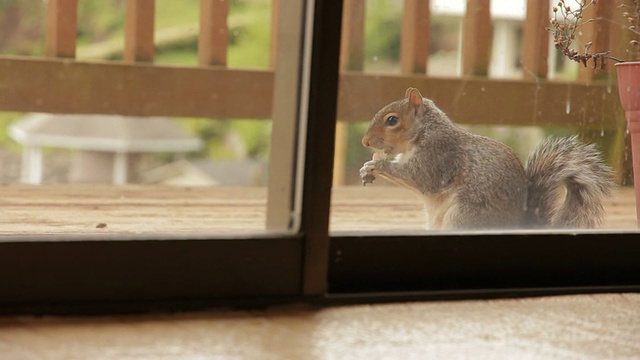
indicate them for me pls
(366, 172)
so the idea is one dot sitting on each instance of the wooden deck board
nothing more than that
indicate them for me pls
(395, 208)
(66, 209)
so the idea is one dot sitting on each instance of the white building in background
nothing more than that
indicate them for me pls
(508, 19)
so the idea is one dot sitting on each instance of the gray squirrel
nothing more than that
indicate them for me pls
(470, 181)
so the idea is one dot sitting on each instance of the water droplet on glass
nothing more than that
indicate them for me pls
(601, 132)
(567, 108)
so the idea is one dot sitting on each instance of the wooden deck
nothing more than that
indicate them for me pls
(106, 209)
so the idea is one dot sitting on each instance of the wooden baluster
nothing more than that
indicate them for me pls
(352, 38)
(619, 145)
(476, 38)
(61, 28)
(139, 27)
(214, 32)
(598, 33)
(535, 47)
(414, 44)
(273, 47)
(607, 34)
(351, 59)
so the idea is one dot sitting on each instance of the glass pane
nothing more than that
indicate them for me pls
(494, 71)
(161, 121)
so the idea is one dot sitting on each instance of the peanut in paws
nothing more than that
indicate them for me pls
(379, 155)
(366, 172)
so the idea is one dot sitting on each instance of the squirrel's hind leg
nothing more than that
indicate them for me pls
(470, 217)
(440, 211)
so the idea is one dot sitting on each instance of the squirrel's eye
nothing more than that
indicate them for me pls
(391, 120)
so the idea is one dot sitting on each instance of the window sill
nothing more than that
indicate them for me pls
(583, 326)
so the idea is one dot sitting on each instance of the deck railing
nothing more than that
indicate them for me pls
(58, 83)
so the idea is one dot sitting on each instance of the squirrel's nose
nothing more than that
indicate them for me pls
(365, 141)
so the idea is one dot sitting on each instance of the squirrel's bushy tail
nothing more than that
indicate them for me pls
(567, 184)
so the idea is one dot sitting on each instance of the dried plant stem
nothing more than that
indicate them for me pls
(566, 21)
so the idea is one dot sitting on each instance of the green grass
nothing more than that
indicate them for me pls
(170, 13)
(249, 34)
(6, 118)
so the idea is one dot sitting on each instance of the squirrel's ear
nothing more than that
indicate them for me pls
(414, 96)
(406, 93)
